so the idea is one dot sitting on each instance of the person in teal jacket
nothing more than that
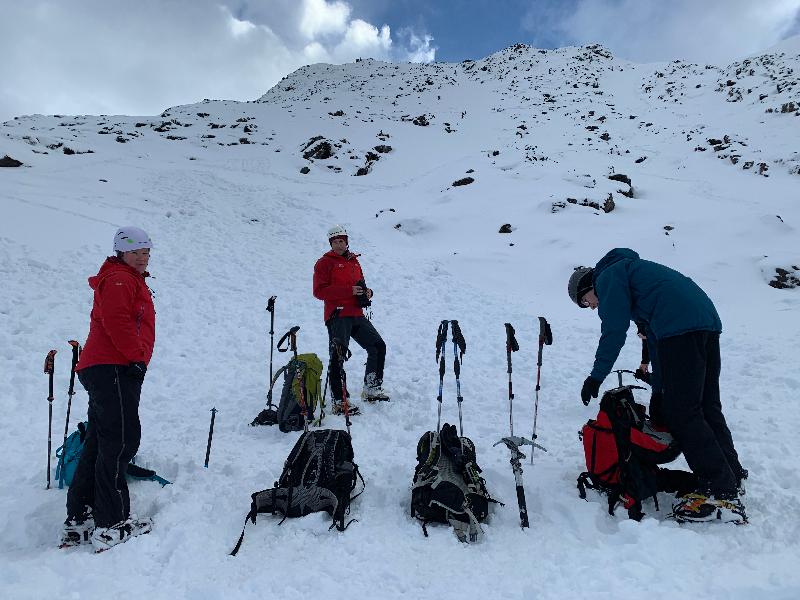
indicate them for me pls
(683, 329)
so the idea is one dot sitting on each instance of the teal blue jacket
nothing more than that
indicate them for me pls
(631, 289)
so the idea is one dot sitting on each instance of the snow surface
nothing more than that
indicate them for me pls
(236, 222)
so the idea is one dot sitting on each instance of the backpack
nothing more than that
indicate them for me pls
(65, 469)
(301, 375)
(69, 454)
(319, 475)
(623, 452)
(447, 486)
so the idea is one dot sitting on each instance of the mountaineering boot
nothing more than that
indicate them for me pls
(338, 409)
(104, 538)
(77, 530)
(699, 508)
(373, 389)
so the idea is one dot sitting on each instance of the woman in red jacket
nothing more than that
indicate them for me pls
(112, 367)
(339, 282)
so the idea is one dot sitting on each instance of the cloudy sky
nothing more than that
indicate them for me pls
(141, 56)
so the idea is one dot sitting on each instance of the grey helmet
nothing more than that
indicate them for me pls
(580, 282)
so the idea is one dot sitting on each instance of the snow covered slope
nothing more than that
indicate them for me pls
(237, 198)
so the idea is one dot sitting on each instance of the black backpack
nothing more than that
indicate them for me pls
(623, 453)
(448, 487)
(319, 475)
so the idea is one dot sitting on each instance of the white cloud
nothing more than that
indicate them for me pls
(322, 18)
(122, 57)
(420, 48)
(712, 31)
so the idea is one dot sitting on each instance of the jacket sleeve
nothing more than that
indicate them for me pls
(323, 290)
(614, 296)
(117, 308)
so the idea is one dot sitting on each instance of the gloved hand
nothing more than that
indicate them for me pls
(136, 371)
(590, 389)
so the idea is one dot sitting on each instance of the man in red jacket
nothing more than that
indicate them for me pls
(112, 367)
(339, 282)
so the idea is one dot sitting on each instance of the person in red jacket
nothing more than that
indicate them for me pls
(112, 368)
(339, 282)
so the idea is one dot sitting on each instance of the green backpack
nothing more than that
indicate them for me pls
(302, 378)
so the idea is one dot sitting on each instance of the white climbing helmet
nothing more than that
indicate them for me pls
(131, 238)
(336, 231)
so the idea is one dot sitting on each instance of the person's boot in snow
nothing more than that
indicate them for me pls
(104, 538)
(698, 508)
(338, 408)
(373, 389)
(77, 530)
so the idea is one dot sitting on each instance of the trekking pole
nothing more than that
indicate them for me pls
(511, 346)
(441, 340)
(49, 368)
(210, 435)
(76, 351)
(459, 348)
(271, 311)
(545, 338)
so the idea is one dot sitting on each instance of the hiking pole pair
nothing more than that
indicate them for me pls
(76, 351)
(459, 348)
(290, 338)
(49, 369)
(513, 442)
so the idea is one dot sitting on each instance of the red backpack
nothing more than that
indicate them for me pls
(623, 452)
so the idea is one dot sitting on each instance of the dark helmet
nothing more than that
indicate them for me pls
(580, 282)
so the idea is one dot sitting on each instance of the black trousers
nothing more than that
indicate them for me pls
(690, 368)
(112, 440)
(366, 336)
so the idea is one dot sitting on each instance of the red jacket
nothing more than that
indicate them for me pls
(334, 278)
(122, 328)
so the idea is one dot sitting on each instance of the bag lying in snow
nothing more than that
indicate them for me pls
(302, 377)
(71, 452)
(623, 452)
(319, 475)
(447, 485)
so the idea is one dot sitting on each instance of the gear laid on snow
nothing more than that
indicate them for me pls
(131, 238)
(447, 485)
(579, 283)
(319, 474)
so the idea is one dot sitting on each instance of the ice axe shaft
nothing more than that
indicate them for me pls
(513, 443)
(210, 436)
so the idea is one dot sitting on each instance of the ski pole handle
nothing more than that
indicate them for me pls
(290, 338)
(49, 369)
(545, 337)
(458, 338)
(76, 352)
(271, 304)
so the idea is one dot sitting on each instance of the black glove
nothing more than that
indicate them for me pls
(642, 376)
(590, 389)
(136, 371)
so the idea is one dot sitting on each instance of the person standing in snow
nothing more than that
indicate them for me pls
(339, 282)
(112, 368)
(682, 327)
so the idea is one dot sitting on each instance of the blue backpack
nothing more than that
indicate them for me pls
(69, 454)
(69, 458)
